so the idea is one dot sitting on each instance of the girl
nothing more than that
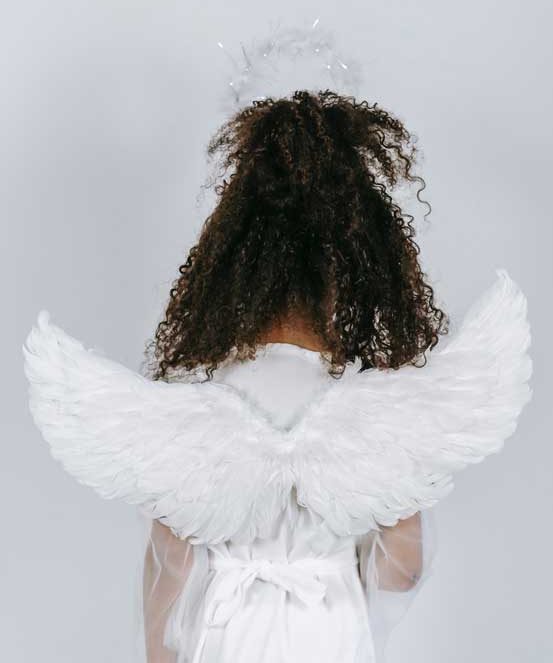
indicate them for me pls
(295, 419)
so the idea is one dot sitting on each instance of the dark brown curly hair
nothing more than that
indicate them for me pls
(304, 223)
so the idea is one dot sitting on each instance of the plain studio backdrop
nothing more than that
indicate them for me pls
(106, 111)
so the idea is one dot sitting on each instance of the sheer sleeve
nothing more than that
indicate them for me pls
(173, 578)
(394, 563)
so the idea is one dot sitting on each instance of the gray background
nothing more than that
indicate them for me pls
(106, 111)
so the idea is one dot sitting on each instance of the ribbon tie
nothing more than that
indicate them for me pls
(227, 591)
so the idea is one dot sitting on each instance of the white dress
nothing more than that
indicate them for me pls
(289, 509)
(297, 595)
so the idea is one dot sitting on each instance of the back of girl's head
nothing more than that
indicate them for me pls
(304, 226)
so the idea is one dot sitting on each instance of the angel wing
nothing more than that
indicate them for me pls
(385, 444)
(377, 446)
(188, 454)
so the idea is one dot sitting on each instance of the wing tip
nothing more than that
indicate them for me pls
(505, 281)
(43, 318)
(32, 340)
(503, 298)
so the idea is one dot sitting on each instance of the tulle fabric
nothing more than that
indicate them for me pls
(173, 582)
(393, 565)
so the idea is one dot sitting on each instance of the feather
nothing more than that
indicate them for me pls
(375, 447)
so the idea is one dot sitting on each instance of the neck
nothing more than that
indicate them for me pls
(294, 331)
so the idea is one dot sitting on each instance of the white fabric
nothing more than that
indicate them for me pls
(288, 507)
(246, 603)
(294, 598)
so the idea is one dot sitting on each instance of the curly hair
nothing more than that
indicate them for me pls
(304, 224)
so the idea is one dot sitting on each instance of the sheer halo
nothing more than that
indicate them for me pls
(289, 59)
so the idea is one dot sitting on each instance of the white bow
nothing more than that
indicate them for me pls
(233, 577)
(227, 590)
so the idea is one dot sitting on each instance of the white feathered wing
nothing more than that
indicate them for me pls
(186, 453)
(376, 447)
(385, 444)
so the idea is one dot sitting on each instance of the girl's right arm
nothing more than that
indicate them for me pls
(167, 564)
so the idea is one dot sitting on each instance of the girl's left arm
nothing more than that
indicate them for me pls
(394, 555)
